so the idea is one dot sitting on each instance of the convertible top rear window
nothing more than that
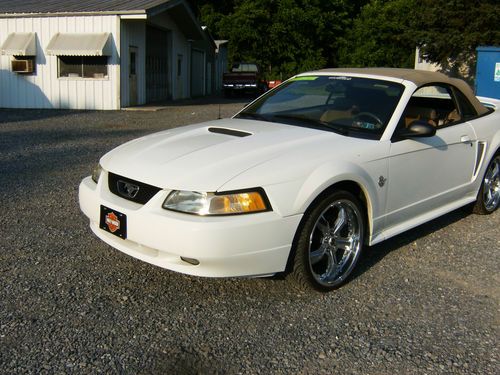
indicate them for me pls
(347, 105)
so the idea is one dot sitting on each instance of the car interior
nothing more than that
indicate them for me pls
(373, 105)
(434, 105)
(435, 111)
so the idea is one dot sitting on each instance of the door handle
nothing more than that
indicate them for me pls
(466, 139)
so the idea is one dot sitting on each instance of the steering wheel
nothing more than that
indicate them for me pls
(370, 115)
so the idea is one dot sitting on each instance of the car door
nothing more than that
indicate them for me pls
(426, 174)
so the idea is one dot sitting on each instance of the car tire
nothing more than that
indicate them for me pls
(488, 198)
(329, 242)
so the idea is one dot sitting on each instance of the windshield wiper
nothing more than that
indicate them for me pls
(337, 129)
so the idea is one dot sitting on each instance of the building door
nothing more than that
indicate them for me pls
(209, 79)
(197, 73)
(158, 47)
(132, 76)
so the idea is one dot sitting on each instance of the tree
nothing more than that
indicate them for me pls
(284, 36)
(382, 35)
(449, 32)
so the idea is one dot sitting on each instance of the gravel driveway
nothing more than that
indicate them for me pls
(424, 302)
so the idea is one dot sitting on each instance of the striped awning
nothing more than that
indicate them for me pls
(79, 44)
(19, 44)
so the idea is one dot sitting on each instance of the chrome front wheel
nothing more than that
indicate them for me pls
(330, 242)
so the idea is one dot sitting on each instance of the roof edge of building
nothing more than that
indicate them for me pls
(66, 14)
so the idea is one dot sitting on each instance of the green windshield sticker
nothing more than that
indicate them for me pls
(305, 78)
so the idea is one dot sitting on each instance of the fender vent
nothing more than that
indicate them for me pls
(479, 157)
(232, 132)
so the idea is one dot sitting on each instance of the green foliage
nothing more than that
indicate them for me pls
(382, 36)
(283, 36)
(450, 31)
(290, 36)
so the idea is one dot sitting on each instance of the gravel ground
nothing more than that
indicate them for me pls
(425, 302)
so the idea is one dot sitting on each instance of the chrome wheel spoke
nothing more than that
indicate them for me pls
(333, 267)
(340, 222)
(344, 243)
(488, 195)
(487, 184)
(317, 255)
(494, 172)
(323, 225)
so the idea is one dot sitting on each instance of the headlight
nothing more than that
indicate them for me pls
(96, 173)
(228, 203)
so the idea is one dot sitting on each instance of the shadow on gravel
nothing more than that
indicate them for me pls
(25, 139)
(22, 115)
(36, 155)
(374, 254)
(208, 100)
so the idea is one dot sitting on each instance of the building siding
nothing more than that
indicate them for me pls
(44, 89)
(133, 34)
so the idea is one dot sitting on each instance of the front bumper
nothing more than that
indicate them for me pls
(240, 86)
(225, 246)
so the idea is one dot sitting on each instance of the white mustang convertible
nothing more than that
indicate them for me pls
(302, 178)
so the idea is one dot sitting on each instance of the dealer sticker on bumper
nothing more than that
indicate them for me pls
(113, 222)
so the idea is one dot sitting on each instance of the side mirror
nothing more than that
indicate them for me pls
(417, 129)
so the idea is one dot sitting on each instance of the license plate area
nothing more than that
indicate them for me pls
(113, 222)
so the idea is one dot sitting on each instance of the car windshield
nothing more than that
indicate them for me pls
(244, 68)
(352, 106)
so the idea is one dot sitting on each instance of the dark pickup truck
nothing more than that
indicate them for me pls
(244, 78)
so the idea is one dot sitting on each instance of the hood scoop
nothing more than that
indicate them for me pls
(231, 132)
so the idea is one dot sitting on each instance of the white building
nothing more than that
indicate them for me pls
(98, 54)
(422, 64)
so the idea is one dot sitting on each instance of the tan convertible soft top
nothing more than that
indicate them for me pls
(419, 78)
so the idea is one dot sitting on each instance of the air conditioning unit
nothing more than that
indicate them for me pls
(22, 66)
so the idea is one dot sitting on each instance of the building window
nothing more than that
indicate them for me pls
(83, 66)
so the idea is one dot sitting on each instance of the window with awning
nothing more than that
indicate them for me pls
(79, 44)
(81, 55)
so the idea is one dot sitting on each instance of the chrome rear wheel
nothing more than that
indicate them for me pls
(491, 191)
(488, 198)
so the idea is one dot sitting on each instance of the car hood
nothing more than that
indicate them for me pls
(205, 156)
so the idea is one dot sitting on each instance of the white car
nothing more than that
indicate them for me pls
(302, 178)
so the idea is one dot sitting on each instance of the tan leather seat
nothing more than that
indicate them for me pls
(453, 116)
(341, 108)
(428, 115)
(335, 114)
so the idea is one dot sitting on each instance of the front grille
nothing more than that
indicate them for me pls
(131, 190)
